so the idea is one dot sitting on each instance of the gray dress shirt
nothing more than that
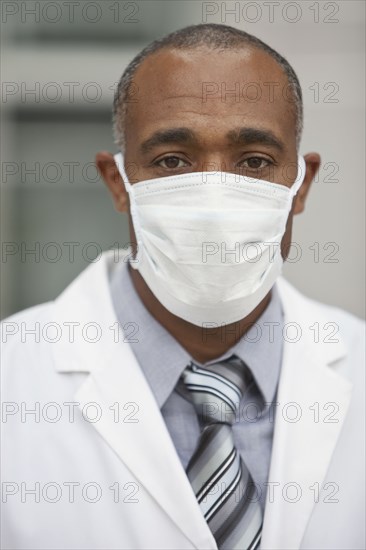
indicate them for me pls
(163, 359)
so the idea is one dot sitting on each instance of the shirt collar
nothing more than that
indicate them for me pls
(261, 347)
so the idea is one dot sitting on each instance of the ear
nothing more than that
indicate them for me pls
(112, 178)
(312, 161)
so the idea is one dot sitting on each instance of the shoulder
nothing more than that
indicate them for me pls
(25, 326)
(305, 306)
(51, 321)
(334, 332)
(26, 345)
(69, 334)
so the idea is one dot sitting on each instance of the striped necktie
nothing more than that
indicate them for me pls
(219, 477)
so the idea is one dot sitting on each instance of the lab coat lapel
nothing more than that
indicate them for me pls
(302, 450)
(137, 434)
(130, 422)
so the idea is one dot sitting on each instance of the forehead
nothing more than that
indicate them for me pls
(201, 87)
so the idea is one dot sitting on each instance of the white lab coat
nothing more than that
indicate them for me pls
(114, 483)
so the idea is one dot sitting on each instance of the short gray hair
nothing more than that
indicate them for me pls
(213, 36)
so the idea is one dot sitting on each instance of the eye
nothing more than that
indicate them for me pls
(255, 163)
(171, 163)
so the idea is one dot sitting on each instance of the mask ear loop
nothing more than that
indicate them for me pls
(301, 170)
(119, 160)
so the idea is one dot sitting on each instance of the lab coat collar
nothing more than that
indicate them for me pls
(85, 309)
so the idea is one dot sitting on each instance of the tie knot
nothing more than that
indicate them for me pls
(216, 390)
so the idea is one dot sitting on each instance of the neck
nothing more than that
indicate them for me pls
(202, 344)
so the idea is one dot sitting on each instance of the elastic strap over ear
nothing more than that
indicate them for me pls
(301, 170)
(118, 158)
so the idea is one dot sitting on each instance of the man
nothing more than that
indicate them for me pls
(183, 395)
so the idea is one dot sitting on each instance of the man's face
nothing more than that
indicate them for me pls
(207, 110)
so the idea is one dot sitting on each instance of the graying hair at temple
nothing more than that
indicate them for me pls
(193, 37)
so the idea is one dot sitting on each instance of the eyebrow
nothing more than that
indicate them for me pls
(171, 135)
(248, 136)
(238, 136)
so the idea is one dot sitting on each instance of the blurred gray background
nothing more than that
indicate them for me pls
(59, 66)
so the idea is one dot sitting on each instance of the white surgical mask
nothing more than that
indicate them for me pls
(209, 243)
